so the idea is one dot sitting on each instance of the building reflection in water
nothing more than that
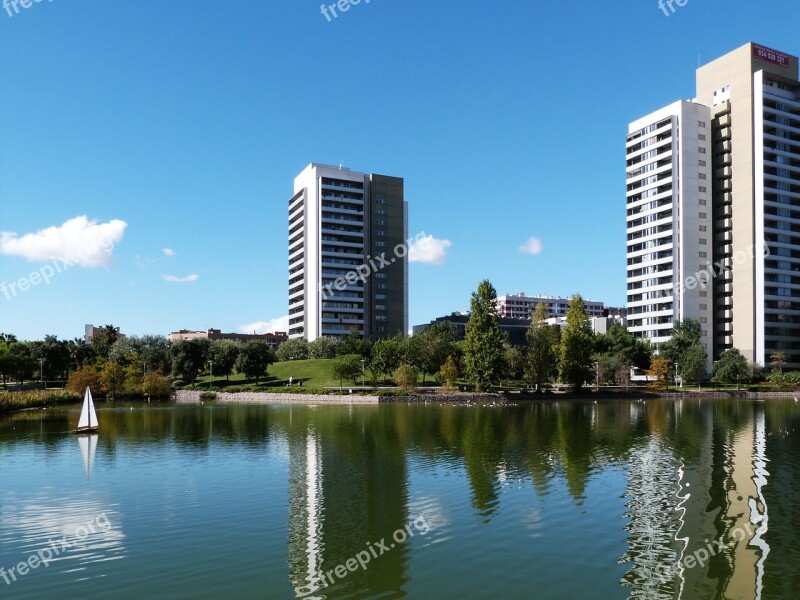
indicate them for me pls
(698, 516)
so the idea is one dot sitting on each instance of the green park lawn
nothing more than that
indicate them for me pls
(316, 374)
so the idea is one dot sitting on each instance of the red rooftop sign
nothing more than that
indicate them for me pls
(771, 56)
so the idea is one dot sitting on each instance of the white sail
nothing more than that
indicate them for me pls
(88, 415)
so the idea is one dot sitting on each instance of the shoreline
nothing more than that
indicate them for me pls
(195, 397)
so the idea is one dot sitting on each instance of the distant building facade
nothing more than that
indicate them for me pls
(89, 331)
(521, 306)
(273, 339)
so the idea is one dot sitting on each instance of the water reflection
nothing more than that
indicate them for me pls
(700, 480)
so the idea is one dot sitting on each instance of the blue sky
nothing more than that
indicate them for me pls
(182, 125)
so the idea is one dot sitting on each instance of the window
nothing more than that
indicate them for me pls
(383, 286)
(701, 188)
(701, 124)
(380, 221)
(380, 244)
(702, 202)
(701, 163)
(702, 227)
(381, 201)
(380, 232)
(703, 294)
(380, 296)
(701, 150)
(703, 319)
(381, 275)
(702, 241)
(701, 137)
(380, 307)
(380, 211)
(704, 307)
(701, 175)
(703, 254)
(702, 215)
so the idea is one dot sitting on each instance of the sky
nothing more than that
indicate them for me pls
(152, 147)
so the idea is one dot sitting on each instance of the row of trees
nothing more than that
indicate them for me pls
(147, 365)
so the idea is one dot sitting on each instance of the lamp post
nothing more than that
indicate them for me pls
(211, 375)
(676, 374)
(597, 375)
(41, 372)
(363, 368)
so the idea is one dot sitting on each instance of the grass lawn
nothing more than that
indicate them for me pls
(316, 374)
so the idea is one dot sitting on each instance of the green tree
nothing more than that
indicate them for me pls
(385, 357)
(254, 358)
(223, 354)
(354, 343)
(347, 367)
(483, 348)
(577, 346)
(777, 361)
(692, 366)
(407, 377)
(189, 358)
(104, 339)
(111, 378)
(685, 334)
(449, 372)
(732, 367)
(323, 347)
(542, 357)
(618, 341)
(513, 363)
(156, 385)
(294, 349)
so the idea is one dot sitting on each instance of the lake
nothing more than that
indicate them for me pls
(622, 499)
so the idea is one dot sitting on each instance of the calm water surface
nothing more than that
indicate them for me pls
(549, 500)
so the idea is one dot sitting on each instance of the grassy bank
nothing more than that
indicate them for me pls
(10, 401)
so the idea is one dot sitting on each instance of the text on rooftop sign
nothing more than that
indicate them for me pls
(769, 55)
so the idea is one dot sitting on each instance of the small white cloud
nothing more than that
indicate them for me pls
(429, 250)
(532, 246)
(78, 241)
(168, 251)
(174, 279)
(261, 327)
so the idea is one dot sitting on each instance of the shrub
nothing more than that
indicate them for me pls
(407, 377)
(208, 396)
(156, 385)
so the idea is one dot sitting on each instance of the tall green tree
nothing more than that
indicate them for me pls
(542, 357)
(577, 346)
(347, 367)
(222, 355)
(189, 358)
(385, 357)
(483, 348)
(732, 367)
(254, 358)
(104, 339)
(685, 334)
(692, 366)
(323, 347)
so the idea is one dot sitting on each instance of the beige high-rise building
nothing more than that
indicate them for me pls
(748, 171)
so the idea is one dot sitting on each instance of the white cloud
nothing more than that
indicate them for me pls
(532, 246)
(78, 241)
(429, 250)
(279, 324)
(168, 251)
(174, 279)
